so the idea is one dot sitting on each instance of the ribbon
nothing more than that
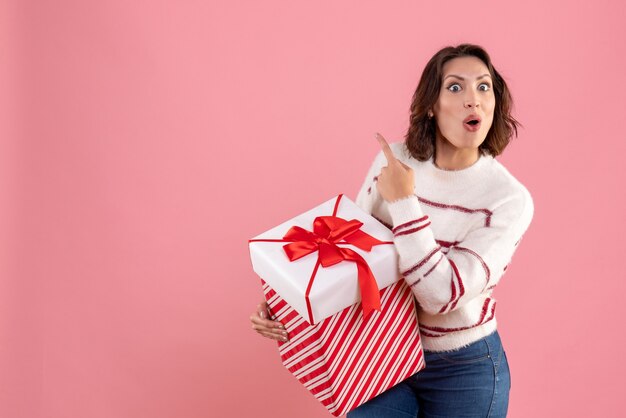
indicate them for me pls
(328, 232)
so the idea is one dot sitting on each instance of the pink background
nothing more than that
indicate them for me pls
(143, 144)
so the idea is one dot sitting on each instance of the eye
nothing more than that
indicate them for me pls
(452, 85)
(486, 85)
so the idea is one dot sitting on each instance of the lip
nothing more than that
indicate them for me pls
(472, 128)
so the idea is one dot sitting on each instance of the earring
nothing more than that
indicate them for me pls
(430, 115)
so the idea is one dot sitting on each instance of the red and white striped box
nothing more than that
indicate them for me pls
(345, 360)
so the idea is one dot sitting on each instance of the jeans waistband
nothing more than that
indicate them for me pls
(491, 343)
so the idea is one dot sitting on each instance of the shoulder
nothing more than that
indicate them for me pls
(504, 180)
(514, 200)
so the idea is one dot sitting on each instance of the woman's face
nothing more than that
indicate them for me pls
(466, 90)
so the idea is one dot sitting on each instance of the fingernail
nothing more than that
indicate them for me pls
(262, 314)
(284, 338)
(285, 333)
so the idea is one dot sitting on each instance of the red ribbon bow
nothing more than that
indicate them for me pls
(328, 231)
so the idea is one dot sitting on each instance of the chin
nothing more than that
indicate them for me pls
(466, 144)
(463, 141)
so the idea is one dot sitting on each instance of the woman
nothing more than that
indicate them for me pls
(457, 216)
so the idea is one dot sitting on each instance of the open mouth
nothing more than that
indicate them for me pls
(472, 125)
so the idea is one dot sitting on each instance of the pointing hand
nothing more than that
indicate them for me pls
(395, 180)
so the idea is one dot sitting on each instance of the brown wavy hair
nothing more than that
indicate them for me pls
(420, 137)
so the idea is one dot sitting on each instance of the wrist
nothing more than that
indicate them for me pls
(404, 210)
(399, 196)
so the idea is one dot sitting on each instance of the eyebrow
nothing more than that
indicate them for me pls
(461, 78)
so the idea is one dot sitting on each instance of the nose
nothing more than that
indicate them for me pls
(471, 100)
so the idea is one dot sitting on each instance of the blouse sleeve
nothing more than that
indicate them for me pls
(445, 282)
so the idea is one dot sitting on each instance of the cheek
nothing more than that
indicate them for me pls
(489, 113)
(448, 126)
(443, 105)
(445, 114)
(448, 114)
(490, 105)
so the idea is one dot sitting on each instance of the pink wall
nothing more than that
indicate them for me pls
(143, 143)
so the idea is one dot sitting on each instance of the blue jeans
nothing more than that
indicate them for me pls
(473, 381)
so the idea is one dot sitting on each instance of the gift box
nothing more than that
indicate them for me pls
(330, 276)
(327, 259)
(345, 359)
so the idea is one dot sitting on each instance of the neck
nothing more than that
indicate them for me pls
(452, 158)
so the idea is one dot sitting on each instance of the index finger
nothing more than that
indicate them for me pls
(386, 149)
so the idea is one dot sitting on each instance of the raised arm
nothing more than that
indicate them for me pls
(443, 282)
